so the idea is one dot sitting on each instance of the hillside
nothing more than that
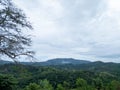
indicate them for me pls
(57, 61)
(2, 62)
(62, 61)
(60, 70)
(105, 74)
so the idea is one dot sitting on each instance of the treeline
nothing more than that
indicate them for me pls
(25, 77)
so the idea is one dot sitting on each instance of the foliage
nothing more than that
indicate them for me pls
(7, 82)
(81, 84)
(33, 86)
(45, 85)
(51, 78)
(60, 87)
(114, 85)
(98, 83)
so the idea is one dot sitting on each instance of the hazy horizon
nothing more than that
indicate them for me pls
(80, 29)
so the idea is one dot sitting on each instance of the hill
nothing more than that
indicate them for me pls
(57, 61)
(64, 72)
(62, 61)
(2, 62)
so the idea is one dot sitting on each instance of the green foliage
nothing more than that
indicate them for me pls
(60, 87)
(45, 85)
(7, 82)
(114, 85)
(51, 78)
(81, 84)
(33, 86)
(66, 85)
(98, 83)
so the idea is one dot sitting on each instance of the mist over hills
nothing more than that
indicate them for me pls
(56, 61)
(5, 62)
(62, 61)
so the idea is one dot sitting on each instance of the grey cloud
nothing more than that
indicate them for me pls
(80, 11)
(114, 56)
(77, 28)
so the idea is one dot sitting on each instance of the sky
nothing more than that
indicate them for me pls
(80, 29)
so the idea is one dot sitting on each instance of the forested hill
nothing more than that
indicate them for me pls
(57, 61)
(68, 76)
(71, 64)
(63, 61)
(2, 62)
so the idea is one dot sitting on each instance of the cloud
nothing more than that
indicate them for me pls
(114, 5)
(83, 29)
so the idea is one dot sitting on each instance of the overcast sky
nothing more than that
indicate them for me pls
(81, 29)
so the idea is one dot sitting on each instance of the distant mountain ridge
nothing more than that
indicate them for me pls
(4, 62)
(56, 61)
(61, 61)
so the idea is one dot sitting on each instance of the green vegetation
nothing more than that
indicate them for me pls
(7, 82)
(14, 43)
(26, 77)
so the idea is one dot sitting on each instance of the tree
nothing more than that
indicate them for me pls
(60, 87)
(81, 84)
(13, 22)
(98, 83)
(7, 82)
(33, 86)
(113, 85)
(45, 85)
(66, 85)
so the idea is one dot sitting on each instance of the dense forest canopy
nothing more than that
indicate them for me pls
(65, 77)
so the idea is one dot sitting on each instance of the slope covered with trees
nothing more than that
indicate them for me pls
(26, 77)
